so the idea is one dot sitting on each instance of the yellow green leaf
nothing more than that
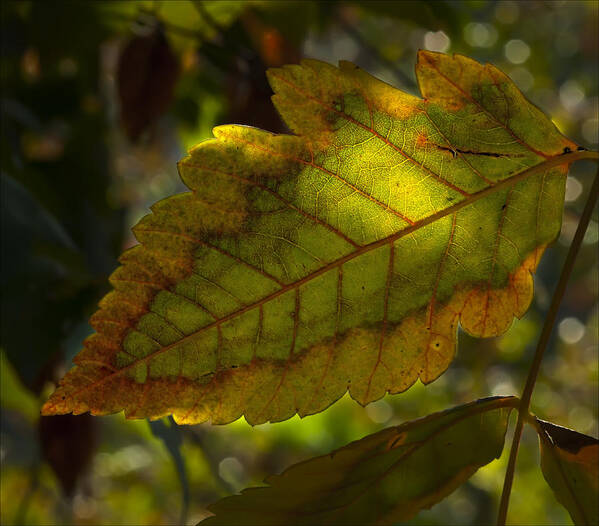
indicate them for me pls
(342, 257)
(384, 478)
(13, 394)
(570, 464)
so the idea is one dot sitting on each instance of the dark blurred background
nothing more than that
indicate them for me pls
(100, 99)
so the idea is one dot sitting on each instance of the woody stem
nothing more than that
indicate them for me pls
(542, 345)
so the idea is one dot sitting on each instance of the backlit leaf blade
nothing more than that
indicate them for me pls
(570, 464)
(340, 258)
(384, 478)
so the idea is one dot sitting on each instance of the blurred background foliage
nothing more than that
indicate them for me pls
(99, 101)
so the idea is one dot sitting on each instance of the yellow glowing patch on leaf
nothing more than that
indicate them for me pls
(384, 478)
(341, 258)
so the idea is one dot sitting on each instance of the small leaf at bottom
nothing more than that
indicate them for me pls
(570, 464)
(385, 477)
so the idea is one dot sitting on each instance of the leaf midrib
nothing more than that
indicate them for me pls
(554, 161)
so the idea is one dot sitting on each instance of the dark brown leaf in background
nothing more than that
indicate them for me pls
(68, 445)
(146, 77)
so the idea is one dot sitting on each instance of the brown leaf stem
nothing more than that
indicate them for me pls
(543, 341)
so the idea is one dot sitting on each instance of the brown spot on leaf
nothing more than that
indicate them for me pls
(421, 140)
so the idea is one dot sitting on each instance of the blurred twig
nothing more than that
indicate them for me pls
(172, 438)
(543, 341)
(352, 32)
(196, 435)
(168, 26)
(207, 17)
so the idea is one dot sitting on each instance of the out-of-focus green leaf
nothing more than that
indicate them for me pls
(13, 394)
(292, 18)
(184, 21)
(22, 212)
(60, 235)
(570, 464)
(383, 478)
(40, 266)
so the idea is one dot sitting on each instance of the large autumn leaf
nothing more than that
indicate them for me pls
(339, 258)
(384, 478)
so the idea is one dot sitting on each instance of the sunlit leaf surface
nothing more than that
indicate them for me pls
(383, 478)
(570, 464)
(339, 258)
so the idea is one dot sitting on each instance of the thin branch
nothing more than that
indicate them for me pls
(168, 26)
(207, 17)
(391, 65)
(196, 434)
(542, 345)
